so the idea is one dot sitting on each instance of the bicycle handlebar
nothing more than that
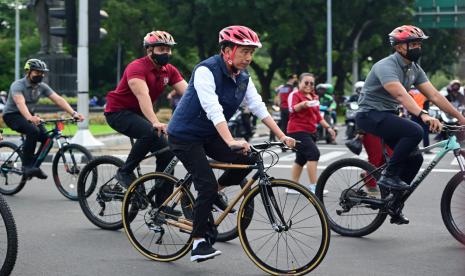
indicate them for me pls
(53, 121)
(265, 145)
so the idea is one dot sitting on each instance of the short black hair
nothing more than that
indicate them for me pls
(225, 44)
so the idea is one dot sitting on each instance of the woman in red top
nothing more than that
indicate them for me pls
(304, 115)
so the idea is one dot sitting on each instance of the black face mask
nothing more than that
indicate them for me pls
(161, 59)
(413, 54)
(37, 79)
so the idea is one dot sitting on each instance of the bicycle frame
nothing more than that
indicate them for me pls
(450, 144)
(268, 198)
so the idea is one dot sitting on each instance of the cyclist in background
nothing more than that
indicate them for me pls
(18, 112)
(385, 88)
(199, 126)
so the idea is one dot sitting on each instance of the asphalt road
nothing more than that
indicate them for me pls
(56, 239)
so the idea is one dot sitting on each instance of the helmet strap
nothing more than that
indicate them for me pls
(229, 60)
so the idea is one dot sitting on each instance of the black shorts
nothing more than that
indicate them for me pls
(306, 149)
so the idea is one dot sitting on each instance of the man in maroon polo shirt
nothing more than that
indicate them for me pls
(129, 108)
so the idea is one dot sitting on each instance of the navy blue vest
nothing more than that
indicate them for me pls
(189, 121)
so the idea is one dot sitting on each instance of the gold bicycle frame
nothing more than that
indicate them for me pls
(187, 224)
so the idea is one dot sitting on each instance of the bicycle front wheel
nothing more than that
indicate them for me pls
(296, 247)
(160, 233)
(11, 175)
(67, 164)
(8, 239)
(346, 180)
(453, 207)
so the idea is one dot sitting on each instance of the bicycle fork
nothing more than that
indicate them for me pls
(270, 203)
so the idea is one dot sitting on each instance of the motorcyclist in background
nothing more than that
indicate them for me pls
(453, 93)
(357, 89)
(325, 93)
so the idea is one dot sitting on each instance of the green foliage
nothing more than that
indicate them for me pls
(293, 34)
(47, 101)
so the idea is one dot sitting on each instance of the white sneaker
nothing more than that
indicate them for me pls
(292, 191)
(312, 189)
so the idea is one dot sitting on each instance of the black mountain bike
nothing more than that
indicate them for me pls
(101, 195)
(66, 165)
(353, 211)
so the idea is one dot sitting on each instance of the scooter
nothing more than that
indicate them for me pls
(351, 110)
(242, 124)
(322, 133)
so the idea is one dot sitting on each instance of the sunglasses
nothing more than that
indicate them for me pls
(307, 83)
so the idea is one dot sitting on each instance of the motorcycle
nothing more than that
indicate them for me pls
(351, 110)
(445, 118)
(322, 133)
(242, 124)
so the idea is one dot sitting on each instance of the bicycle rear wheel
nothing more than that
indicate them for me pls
(66, 166)
(453, 207)
(153, 231)
(11, 176)
(346, 216)
(8, 239)
(100, 194)
(296, 248)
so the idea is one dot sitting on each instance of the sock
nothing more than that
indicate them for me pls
(196, 242)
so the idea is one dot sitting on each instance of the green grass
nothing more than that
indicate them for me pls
(70, 130)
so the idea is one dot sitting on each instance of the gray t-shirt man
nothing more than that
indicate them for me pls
(30, 93)
(389, 69)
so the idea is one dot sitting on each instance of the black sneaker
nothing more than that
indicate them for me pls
(221, 203)
(399, 219)
(125, 179)
(40, 174)
(393, 182)
(204, 251)
(30, 172)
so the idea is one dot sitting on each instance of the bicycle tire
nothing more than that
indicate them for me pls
(343, 227)
(79, 156)
(456, 185)
(9, 261)
(149, 219)
(99, 207)
(12, 171)
(317, 214)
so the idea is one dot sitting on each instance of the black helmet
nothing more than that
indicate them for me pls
(35, 64)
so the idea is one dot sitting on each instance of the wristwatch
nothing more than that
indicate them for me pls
(422, 112)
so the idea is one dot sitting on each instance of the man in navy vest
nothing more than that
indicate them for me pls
(199, 127)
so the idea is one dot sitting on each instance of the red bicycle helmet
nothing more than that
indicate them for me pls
(239, 35)
(405, 34)
(157, 38)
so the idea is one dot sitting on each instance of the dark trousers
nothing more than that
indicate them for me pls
(136, 126)
(425, 130)
(400, 134)
(284, 119)
(33, 133)
(193, 156)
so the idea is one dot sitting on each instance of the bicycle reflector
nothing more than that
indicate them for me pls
(60, 126)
